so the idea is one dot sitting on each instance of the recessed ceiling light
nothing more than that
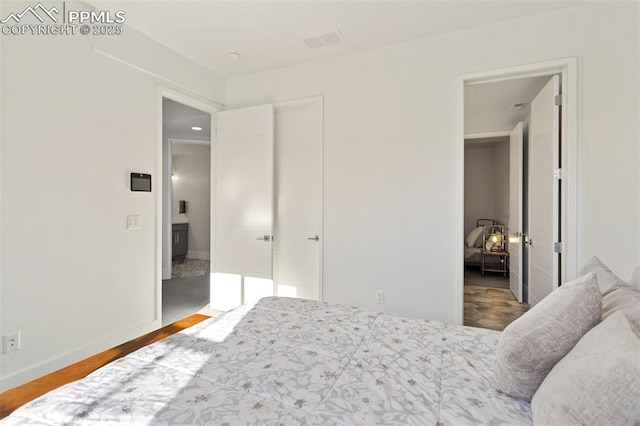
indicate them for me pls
(196, 128)
(234, 55)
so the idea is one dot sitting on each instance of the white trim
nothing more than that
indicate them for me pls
(487, 135)
(161, 221)
(539, 69)
(156, 76)
(167, 272)
(567, 68)
(200, 255)
(458, 254)
(33, 372)
(570, 163)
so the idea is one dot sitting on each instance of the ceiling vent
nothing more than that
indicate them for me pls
(519, 105)
(328, 39)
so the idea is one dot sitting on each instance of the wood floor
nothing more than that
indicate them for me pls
(14, 398)
(493, 308)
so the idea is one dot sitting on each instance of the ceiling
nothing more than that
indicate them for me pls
(488, 107)
(190, 149)
(178, 119)
(269, 34)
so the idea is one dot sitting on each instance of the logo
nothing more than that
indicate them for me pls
(43, 20)
(33, 10)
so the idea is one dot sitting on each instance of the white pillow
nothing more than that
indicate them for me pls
(597, 383)
(473, 237)
(607, 280)
(532, 345)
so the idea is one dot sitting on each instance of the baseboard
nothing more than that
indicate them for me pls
(28, 374)
(201, 255)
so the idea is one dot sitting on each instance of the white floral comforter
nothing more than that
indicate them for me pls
(292, 361)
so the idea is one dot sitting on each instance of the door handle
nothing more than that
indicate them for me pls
(316, 238)
(264, 238)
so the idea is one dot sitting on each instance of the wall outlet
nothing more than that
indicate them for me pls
(133, 222)
(380, 297)
(11, 342)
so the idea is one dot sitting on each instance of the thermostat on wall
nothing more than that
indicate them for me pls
(140, 182)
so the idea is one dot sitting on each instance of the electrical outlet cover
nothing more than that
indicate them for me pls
(10, 342)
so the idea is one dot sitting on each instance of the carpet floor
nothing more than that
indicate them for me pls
(182, 297)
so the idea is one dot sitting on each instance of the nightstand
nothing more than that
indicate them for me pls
(502, 264)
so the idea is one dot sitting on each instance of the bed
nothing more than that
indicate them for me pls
(294, 361)
(474, 241)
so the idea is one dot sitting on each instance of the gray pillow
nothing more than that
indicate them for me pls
(597, 383)
(607, 280)
(531, 345)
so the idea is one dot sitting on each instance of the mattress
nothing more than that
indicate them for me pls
(293, 361)
(472, 254)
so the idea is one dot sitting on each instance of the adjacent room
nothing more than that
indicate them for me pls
(186, 135)
(497, 164)
(319, 212)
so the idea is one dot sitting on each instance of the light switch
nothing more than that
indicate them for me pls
(133, 222)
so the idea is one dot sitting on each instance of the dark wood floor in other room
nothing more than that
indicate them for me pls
(493, 308)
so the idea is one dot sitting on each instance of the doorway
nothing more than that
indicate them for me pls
(186, 146)
(497, 115)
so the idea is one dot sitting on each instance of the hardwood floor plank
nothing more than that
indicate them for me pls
(492, 308)
(16, 397)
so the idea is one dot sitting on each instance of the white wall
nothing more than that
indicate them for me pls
(501, 182)
(192, 183)
(479, 184)
(486, 183)
(391, 148)
(610, 137)
(75, 123)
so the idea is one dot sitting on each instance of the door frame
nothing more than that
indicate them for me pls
(567, 68)
(162, 184)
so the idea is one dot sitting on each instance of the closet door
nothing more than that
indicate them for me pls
(298, 193)
(243, 207)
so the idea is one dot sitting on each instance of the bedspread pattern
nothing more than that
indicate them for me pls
(293, 361)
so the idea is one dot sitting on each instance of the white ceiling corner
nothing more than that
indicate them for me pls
(178, 120)
(488, 106)
(270, 34)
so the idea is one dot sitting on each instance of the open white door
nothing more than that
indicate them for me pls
(515, 211)
(544, 203)
(243, 214)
